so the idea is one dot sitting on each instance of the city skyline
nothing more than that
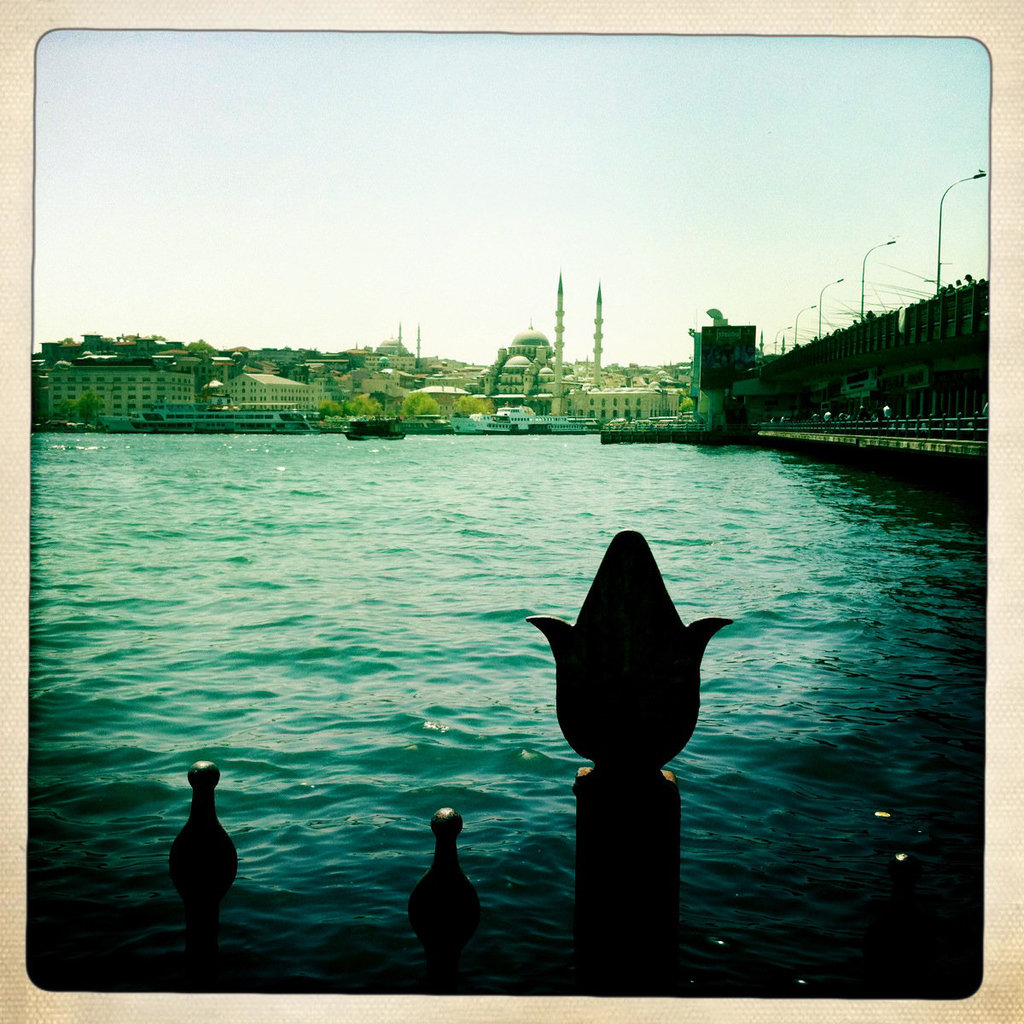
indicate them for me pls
(317, 189)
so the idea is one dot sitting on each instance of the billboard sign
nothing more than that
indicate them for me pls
(726, 352)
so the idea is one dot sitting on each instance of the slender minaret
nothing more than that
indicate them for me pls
(557, 404)
(598, 320)
(417, 346)
(399, 332)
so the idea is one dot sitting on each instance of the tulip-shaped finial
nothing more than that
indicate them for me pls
(627, 681)
(444, 909)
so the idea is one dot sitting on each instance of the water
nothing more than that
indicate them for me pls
(340, 627)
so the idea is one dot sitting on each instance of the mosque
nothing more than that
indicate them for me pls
(530, 370)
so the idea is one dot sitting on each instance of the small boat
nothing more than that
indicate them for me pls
(375, 428)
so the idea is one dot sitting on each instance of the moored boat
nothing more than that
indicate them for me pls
(201, 418)
(377, 428)
(522, 419)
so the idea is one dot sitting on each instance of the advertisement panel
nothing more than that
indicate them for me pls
(725, 353)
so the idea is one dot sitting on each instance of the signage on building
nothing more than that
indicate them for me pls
(863, 382)
(916, 377)
(725, 353)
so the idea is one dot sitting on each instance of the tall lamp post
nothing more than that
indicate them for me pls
(822, 292)
(938, 252)
(796, 329)
(863, 266)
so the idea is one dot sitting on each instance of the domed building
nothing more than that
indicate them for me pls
(530, 372)
(522, 373)
(397, 356)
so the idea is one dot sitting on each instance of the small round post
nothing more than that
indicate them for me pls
(444, 909)
(203, 863)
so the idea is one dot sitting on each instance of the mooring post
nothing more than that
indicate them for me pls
(203, 863)
(444, 909)
(899, 945)
(627, 694)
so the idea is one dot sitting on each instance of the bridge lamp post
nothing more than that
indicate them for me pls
(796, 330)
(863, 266)
(938, 252)
(822, 292)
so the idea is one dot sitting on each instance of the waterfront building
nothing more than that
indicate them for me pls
(445, 395)
(267, 389)
(123, 385)
(629, 403)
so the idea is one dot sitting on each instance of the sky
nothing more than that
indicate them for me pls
(317, 190)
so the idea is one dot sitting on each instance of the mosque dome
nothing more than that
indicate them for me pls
(518, 361)
(546, 371)
(392, 347)
(530, 337)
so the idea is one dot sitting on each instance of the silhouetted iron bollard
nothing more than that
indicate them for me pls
(444, 909)
(899, 945)
(627, 694)
(203, 863)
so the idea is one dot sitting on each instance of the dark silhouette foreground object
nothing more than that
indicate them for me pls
(444, 909)
(627, 675)
(899, 945)
(627, 693)
(203, 864)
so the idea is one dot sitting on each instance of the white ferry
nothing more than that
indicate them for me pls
(522, 420)
(197, 418)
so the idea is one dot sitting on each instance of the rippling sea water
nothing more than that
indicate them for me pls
(341, 628)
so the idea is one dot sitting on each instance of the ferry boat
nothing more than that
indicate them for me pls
(376, 428)
(199, 418)
(522, 420)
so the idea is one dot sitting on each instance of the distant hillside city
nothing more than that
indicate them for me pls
(114, 376)
(928, 359)
(100, 375)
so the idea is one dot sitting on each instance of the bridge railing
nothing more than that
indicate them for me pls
(927, 428)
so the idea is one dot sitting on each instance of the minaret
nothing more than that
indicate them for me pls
(557, 404)
(598, 320)
(417, 346)
(399, 332)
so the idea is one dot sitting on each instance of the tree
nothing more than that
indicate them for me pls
(201, 348)
(420, 405)
(330, 409)
(363, 405)
(88, 405)
(467, 404)
(685, 403)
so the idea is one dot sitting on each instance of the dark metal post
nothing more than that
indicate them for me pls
(626, 917)
(627, 695)
(203, 863)
(444, 909)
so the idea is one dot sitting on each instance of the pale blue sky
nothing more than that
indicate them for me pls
(316, 189)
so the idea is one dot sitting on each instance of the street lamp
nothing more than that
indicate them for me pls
(822, 292)
(938, 253)
(881, 245)
(796, 330)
